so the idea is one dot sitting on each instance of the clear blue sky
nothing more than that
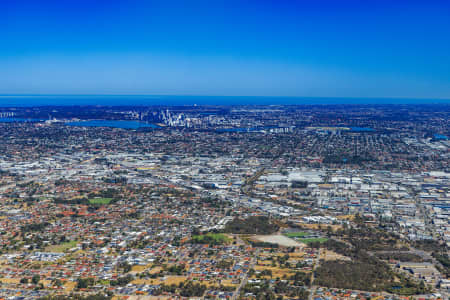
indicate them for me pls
(305, 48)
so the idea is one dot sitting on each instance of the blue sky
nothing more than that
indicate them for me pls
(249, 48)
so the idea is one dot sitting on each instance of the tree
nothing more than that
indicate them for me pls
(266, 272)
(57, 282)
(35, 279)
(126, 267)
(83, 283)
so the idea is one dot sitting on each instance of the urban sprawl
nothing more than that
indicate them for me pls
(225, 202)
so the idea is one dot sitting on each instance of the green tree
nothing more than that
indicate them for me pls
(35, 279)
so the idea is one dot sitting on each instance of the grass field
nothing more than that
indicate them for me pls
(312, 240)
(104, 282)
(62, 247)
(299, 234)
(100, 200)
(216, 238)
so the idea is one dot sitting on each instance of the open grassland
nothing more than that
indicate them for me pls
(10, 280)
(101, 201)
(139, 268)
(155, 270)
(331, 255)
(69, 286)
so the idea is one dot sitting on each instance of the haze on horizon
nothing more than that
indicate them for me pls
(228, 48)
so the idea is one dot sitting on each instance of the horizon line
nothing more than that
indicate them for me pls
(223, 96)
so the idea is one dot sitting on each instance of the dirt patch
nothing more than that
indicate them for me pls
(330, 255)
(278, 239)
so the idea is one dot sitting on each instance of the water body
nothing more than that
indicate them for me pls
(362, 129)
(144, 100)
(112, 124)
(440, 137)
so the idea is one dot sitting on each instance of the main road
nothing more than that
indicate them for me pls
(245, 278)
(315, 265)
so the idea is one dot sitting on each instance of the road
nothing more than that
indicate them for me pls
(315, 265)
(245, 279)
(246, 188)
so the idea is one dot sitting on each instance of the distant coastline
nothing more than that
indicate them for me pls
(146, 100)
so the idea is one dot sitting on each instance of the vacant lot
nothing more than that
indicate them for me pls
(278, 239)
(331, 255)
